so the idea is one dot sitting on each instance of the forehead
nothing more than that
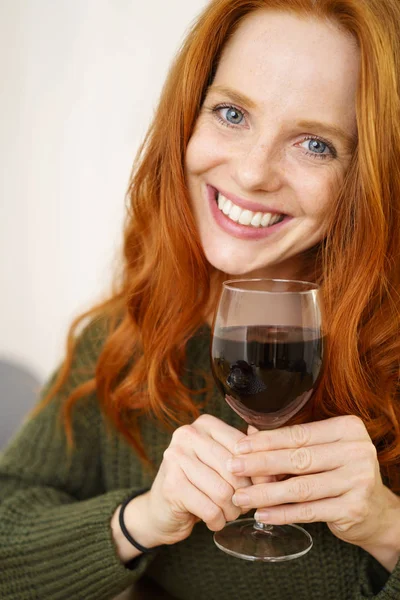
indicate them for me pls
(287, 59)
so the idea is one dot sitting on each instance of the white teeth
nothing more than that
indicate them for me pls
(274, 219)
(227, 207)
(235, 213)
(266, 220)
(246, 217)
(256, 220)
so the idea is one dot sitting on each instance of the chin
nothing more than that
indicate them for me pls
(235, 272)
(249, 268)
(234, 268)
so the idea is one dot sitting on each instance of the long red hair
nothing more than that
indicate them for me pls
(165, 286)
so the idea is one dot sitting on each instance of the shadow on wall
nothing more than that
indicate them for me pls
(19, 388)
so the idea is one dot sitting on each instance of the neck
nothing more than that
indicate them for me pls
(294, 269)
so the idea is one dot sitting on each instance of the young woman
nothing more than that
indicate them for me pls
(275, 152)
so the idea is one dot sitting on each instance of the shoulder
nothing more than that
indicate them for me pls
(91, 339)
(84, 349)
(77, 371)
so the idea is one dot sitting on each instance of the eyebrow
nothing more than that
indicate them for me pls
(235, 96)
(347, 139)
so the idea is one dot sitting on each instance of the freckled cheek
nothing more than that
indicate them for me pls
(315, 200)
(204, 152)
(316, 192)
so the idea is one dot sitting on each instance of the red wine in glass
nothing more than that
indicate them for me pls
(266, 373)
(266, 359)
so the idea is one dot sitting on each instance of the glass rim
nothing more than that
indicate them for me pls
(312, 287)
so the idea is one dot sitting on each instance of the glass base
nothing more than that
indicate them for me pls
(249, 540)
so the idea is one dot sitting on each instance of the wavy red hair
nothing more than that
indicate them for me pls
(165, 287)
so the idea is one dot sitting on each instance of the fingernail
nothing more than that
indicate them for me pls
(243, 447)
(241, 499)
(261, 515)
(234, 465)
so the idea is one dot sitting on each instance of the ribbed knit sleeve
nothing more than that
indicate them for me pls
(55, 533)
(376, 582)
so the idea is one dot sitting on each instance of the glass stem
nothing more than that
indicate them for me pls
(262, 526)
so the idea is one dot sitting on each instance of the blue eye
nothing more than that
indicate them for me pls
(232, 115)
(315, 146)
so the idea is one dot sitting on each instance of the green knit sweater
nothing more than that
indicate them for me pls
(55, 511)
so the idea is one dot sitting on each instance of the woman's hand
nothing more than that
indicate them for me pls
(193, 482)
(335, 479)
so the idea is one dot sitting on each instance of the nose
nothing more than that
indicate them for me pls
(257, 168)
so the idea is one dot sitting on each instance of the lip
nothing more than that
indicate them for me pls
(237, 230)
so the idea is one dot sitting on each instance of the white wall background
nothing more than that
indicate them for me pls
(79, 82)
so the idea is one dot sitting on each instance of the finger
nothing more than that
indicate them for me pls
(196, 441)
(299, 461)
(332, 510)
(219, 431)
(296, 489)
(210, 483)
(261, 479)
(264, 479)
(183, 497)
(336, 429)
(201, 506)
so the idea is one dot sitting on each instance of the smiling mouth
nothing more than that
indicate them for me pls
(242, 216)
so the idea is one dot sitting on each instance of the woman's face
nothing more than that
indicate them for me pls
(272, 142)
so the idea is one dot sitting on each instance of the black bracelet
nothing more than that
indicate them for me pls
(123, 526)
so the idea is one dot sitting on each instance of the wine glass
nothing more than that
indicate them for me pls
(266, 357)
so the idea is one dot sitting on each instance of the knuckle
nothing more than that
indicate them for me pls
(215, 447)
(211, 513)
(285, 516)
(354, 423)
(206, 420)
(183, 433)
(223, 491)
(366, 480)
(307, 514)
(301, 489)
(265, 436)
(366, 452)
(343, 526)
(357, 512)
(301, 459)
(299, 435)
(264, 462)
(233, 513)
(171, 454)
(265, 497)
(371, 452)
(167, 454)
